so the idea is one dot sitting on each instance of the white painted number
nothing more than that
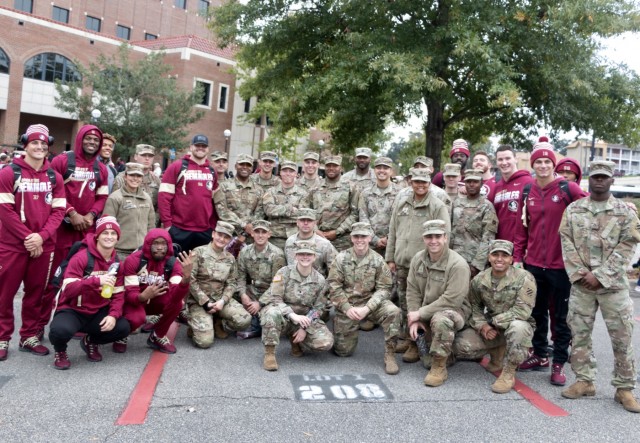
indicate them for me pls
(311, 393)
(370, 390)
(343, 391)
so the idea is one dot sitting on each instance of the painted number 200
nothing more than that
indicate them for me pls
(343, 392)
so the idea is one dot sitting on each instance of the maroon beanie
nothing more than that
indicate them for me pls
(569, 164)
(37, 132)
(107, 222)
(459, 145)
(543, 149)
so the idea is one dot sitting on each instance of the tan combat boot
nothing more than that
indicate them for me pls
(390, 364)
(506, 381)
(296, 349)
(218, 329)
(579, 389)
(269, 363)
(438, 373)
(402, 345)
(497, 358)
(411, 354)
(627, 400)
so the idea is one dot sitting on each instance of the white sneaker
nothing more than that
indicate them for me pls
(638, 288)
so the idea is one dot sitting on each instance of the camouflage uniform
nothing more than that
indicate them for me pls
(292, 293)
(337, 207)
(214, 277)
(239, 203)
(375, 206)
(257, 269)
(281, 209)
(473, 225)
(508, 304)
(325, 253)
(307, 184)
(265, 184)
(360, 182)
(600, 237)
(355, 282)
(407, 194)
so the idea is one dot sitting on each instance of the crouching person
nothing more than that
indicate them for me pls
(502, 298)
(295, 302)
(84, 304)
(213, 283)
(155, 282)
(437, 287)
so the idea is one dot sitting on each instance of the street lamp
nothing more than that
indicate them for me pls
(321, 144)
(399, 168)
(227, 134)
(95, 115)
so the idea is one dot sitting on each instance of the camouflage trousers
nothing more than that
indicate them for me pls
(469, 344)
(617, 312)
(233, 315)
(441, 331)
(401, 287)
(345, 330)
(274, 324)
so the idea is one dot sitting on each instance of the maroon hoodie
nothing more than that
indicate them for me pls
(506, 200)
(35, 207)
(137, 281)
(83, 294)
(538, 244)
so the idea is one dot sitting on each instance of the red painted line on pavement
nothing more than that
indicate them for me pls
(135, 413)
(537, 400)
(637, 318)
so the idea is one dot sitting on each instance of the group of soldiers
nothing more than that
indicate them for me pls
(476, 267)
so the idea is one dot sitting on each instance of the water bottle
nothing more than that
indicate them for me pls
(107, 289)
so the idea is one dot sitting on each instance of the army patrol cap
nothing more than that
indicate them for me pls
(244, 158)
(501, 245)
(420, 175)
(383, 161)
(306, 214)
(288, 164)
(262, 224)
(268, 155)
(434, 227)
(225, 228)
(602, 167)
(364, 152)
(145, 149)
(451, 169)
(305, 246)
(311, 156)
(422, 160)
(472, 174)
(333, 160)
(361, 228)
(132, 168)
(217, 155)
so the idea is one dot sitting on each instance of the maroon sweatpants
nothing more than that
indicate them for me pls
(168, 306)
(15, 268)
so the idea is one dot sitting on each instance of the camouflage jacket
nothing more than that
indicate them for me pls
(307, 184)
(600, 237)
(214, 275)
(281, 209)
(336, 205)
(325, 253)
(361, 182)
(473, 225)
(257, 269)
(512, 299)
(406, 193)
(238, 203)
(435, 286)
(354, 282)
(265, 184)
(374, 207)
(293, 293)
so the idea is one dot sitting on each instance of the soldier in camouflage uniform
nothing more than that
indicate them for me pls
(282, 203)
(405, 241)
(362, 175)
(294, 304)
(239, 200)
(310, 178)
(360, 285)
(325, 252)
(213, 283)
(451, 176)
(437, 288)
(599, 235)
(257, 265)
(473, 223)
(266, 179)
(336, 204)
(422, 162)
(501, 298)
(220, 162)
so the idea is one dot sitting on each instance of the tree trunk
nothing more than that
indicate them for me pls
(434, 131)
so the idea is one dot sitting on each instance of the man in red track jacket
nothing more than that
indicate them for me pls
(30, 214)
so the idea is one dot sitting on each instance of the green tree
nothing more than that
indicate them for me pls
(501, 66)
(138, 100)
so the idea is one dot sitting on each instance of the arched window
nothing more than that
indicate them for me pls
(49, 66)
(4, 62)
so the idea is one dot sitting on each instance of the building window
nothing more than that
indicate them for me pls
(123, 32)
(23, 5)
(4, 62)
(206, 92)
(182, 4)
(247, 106)
(93, 23)
(60, 14)
(49, 67)
(203, 7)
(148, 36)
(224, 97)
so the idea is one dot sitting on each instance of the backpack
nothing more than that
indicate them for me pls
(17, 176)
(168, 265)
(57, 279)
(71, 168)
(564, 187)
